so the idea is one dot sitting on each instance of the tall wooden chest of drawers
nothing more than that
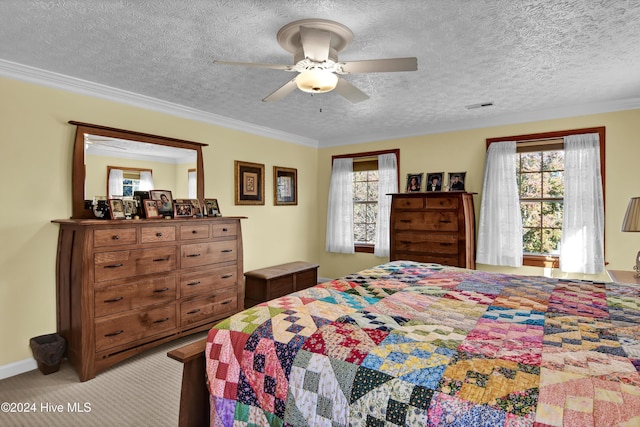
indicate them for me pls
(126, 286)
(433, 227)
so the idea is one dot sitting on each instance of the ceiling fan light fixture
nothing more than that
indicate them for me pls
(316, 81)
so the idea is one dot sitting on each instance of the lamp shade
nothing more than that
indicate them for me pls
(632, 217)
(316, 81)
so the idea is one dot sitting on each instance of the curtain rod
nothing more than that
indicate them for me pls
(541, 141)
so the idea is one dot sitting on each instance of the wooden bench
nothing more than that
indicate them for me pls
(279, 280)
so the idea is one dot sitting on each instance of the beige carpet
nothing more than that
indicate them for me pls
(141, 391)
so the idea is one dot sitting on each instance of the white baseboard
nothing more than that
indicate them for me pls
(17, 368)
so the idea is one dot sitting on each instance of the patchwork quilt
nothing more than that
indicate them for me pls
(413, 344)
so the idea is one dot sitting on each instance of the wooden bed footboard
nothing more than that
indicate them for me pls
(194, 396)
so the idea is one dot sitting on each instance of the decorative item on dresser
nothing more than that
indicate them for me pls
(126, 286)
(433, 227)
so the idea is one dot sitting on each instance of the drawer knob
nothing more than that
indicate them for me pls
(193, 311)
(193, 283)
(226, 250)
(113, 334)
(115, 237)
(164, 319)
(445, 220)
(162, 259)
(114, 266)
(161, 290)
(227, 276)
(194, 231)
(192, 255)
(405, 220)
(229, 301)
(225, 229)
(158, 234)
(116, 299)
(446, 244)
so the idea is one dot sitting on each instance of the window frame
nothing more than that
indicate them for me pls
(365, 247)
(553, 261)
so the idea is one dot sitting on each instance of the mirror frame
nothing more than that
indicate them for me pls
(79, 172)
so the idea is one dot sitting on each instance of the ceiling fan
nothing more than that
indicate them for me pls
(315, 44)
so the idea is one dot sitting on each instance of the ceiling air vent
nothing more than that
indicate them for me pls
(480, 105)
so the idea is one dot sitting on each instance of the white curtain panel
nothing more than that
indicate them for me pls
(146, 181)
(582, 245)
(340, 211)
(192, 185)
(387, 183)
(115, 183)
(500, 226)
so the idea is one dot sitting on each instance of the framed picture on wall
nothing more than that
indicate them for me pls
(249, 183)
(414, 182)
(457, 181)
(434, 181)
(116, 207)
(285, 186)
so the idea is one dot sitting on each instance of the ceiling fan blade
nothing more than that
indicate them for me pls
(380, 65)
(315, 43)
(283, 91)
(350, 92)
(255, 65)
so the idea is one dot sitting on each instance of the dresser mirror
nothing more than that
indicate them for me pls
(124, 147)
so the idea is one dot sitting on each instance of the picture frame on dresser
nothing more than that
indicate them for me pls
(116, 208)
(212, 208)
(414, 182)
(183, 210)
(196, 209)
(249, 183)
(434, 181)
(130, 207)
(457, 181)
(164, 201)
(151, 209)
(285, 186)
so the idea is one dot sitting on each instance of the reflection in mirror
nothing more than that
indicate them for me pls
(133, 159)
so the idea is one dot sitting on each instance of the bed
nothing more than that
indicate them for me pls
(407, 343)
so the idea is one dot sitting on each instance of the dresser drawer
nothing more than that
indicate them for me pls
(426, 242)
(158, 234)
(115, 237)
(206, 282)
(409, 203)
(194, 231)
(224, 229)
(115, 331)
(443, 259)
(442, 203)
(198, 254)
(223, 301)
(119, 264)
(134, 295)
(427, 220)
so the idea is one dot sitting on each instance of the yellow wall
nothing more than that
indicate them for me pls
(35, 182)
(465, 151)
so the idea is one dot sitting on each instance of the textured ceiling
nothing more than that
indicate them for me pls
(532, 59)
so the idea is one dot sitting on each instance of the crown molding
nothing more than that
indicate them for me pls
(41, 77)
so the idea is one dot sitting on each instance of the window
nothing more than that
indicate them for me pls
(130, 181)
(541, 190)
(365, 197)
(540, 173)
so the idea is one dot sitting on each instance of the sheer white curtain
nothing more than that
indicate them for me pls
(387, 183)
(340, 210)
(500, 226)
(582, 245)
(116, 177)
(192, 184)
(146, 181)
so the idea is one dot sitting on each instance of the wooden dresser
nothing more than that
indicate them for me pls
(126, 286)
(433, 227)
